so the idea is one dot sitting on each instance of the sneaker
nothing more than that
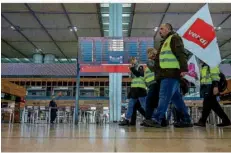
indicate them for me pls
(224, 124)
(152, 123)
(183, 124)
(201, 124)
(142, 123)
(124, 123)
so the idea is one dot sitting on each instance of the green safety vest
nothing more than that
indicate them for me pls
(208, 75)
(149, 77)
(138, 82)
(167, 59)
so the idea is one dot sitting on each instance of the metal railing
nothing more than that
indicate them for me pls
(65, 115)
(42, 114)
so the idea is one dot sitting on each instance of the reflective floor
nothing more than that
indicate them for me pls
(112, 138)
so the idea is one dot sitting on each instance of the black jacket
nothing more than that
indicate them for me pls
(53, 105)
(138, 92)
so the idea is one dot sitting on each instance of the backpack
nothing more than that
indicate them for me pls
(222, 83)
(222, 86)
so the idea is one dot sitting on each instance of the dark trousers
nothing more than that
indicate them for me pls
(138, 107)
(210, 103)
(152, 100)
(53, 115)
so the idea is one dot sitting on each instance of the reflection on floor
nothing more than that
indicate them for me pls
(112, 138)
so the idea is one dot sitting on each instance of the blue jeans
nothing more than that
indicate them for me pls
(131, 105)
(170, 92)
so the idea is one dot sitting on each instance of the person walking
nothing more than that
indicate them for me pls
(209, 91)
(138, 90)
(170, 67)
(53, 107)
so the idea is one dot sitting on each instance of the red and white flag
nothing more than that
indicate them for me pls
(199, 37)
(193, 74)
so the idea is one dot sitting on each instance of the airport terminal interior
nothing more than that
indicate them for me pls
(65, 76)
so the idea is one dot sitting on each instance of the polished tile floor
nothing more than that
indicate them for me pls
(111, 138)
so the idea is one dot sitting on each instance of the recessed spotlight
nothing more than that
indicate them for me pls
(38, 50)
(75, 28)
(156, 28)
(217, 28)
(72, 28)
(12, 27)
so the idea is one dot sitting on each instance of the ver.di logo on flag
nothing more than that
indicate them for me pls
(200, 33)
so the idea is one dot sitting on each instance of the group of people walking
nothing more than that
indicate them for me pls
(153, 88)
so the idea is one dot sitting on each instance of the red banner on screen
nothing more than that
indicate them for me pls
(105, 68)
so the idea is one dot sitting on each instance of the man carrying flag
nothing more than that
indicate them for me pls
(171, 66)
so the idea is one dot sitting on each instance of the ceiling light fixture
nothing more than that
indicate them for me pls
(38, 50)
(73, 28)
(16, 59)
(105, 15)
(125, 15)
(125, 23)
(126, 5)
(26, 59)
(156, 28)
(12, 27)
(63, 59)
(73, 59)
(217, 28)
(16, 28)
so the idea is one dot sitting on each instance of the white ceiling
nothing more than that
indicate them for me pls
(86, 18)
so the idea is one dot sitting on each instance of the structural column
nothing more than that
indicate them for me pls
(115, 79)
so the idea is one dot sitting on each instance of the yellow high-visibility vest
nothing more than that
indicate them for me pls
(209, 74)
(167, 59)
(138, 82)
(149, 76)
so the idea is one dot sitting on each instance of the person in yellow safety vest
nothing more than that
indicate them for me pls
(170, 67)
(138, 90)
(153, 87)
(209, 91)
